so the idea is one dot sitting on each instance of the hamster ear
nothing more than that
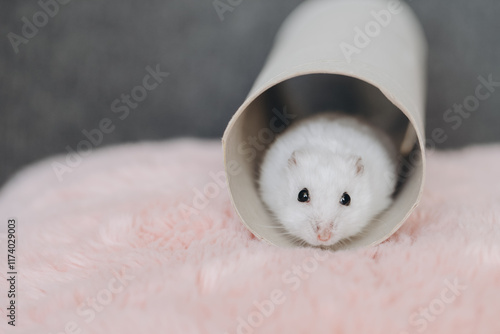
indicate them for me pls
(296, 157)
(360, 167)
(292, 161)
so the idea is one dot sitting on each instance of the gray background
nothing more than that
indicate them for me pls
(64, 79)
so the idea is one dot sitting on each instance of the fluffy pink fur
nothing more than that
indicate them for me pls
(119, 213)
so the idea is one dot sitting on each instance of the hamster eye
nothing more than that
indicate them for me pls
(345, 199)
(304, 196)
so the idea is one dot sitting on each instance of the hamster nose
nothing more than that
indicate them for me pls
(324, 235)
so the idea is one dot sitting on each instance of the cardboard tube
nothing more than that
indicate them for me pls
(363, 57)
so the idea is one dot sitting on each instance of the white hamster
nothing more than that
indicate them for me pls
(327, 176)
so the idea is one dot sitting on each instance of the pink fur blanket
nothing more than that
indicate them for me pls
(115, 248)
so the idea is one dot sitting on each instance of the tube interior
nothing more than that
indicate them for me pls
(271, 112)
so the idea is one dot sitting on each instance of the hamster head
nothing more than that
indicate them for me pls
(323, 196)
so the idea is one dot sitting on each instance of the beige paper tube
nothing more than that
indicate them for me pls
(366, 58)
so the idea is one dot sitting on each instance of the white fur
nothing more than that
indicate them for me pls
(327, 147)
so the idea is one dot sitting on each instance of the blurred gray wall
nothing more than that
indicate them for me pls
(65, 78)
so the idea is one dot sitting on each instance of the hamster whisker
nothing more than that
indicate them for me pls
(281, 230)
